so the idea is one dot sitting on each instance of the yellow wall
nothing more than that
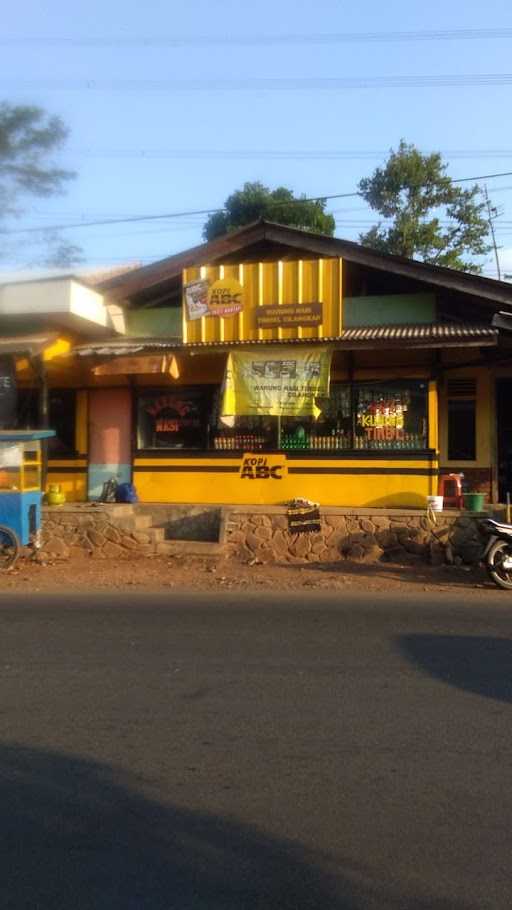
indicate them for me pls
(71, 475)
(378, 483)
(271, 283)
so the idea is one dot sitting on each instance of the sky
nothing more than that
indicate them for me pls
(172, 105)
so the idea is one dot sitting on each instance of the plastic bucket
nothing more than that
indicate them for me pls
(474, 502)
(435, 503)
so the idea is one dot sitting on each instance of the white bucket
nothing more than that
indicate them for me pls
(435, 503)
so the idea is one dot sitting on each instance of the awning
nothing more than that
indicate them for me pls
(27, 345)
(436, 335)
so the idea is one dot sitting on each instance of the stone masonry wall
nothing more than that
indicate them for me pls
(396, 537)
(87, 533)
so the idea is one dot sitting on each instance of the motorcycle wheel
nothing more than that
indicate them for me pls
(500, 576)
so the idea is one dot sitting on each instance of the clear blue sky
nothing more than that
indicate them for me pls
(141, 149)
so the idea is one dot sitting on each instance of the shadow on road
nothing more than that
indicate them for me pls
(475, 663)
(76, 835)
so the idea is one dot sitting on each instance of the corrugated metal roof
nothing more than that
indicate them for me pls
(440, 334)
(26, 344)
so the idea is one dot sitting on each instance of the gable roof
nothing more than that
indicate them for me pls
(301, 244)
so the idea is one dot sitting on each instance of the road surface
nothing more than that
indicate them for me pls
(252, 753)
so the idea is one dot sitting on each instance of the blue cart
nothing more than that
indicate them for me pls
(20, 491)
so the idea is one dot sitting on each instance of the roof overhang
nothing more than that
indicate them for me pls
(450, 335)
(64, 302)
(301, 244)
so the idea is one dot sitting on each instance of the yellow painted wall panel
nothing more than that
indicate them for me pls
(81, 423)
(73, 484)
(359, 488)
(271, 283)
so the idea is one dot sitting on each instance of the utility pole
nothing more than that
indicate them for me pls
(491, 215)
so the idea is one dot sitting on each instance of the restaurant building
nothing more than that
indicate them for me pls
(275, 363)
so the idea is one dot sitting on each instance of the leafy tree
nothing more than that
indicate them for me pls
(28, 139)
(255, 201)
(433, 219)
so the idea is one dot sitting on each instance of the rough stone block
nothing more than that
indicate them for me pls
(356, 552)
(252, 541)
(129, 543)
(301, 546)
(280, 522)
(95, 537)
(319, 547)
(386, 539)
(112, 534)
(55, 546)
(112, 549)
(263, 532)
(367, 526)
(280, 542)
(265, 554)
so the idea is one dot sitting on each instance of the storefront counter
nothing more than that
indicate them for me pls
(378, 481)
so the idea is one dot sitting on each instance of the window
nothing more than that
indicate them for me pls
(390, 416)
(366, 416)
(176, 418)
(331, 431)
(61, 418)
(461, 429)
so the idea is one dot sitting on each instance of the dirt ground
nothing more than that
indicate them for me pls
(185, 573)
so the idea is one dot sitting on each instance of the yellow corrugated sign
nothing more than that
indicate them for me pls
(227, 302)
(269, 382)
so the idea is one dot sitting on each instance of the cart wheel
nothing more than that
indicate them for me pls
(9, 547)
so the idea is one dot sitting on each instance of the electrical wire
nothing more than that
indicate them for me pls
(136, 218)
(254, 40)
(263, 84)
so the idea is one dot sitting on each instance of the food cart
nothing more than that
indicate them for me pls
(20, 491)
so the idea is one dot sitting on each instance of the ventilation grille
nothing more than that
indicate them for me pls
(462, 388)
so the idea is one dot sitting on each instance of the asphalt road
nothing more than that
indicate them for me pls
(288, 753)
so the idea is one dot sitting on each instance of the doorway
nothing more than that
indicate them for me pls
(504, 426)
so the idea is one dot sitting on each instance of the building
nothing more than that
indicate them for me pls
(420, 376)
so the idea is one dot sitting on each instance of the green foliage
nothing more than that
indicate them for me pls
(256, 201)
(433, 219)
(28, 139)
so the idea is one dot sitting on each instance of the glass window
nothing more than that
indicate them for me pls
(390, 416)
(332, 430)
(249, 434)
(61, 418)
(174, 418)
(461, 429)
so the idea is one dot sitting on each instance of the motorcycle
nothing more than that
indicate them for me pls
(498, 552)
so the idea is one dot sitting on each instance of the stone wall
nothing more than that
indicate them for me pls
(262, 535)
(88, 531)
(395, 536)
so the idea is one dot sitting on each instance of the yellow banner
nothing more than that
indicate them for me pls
(273, 383)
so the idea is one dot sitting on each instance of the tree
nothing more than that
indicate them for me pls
(255, 201)
(28, 139)
(433, 219)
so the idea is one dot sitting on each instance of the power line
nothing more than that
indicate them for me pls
(274, 154)
(161, 217)
(152, 41)
(258, 84)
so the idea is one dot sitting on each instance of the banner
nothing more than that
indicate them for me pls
(196, 299)
(222, 298)
(152, 363)
(265, 383)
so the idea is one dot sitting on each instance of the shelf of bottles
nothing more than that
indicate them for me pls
(245, 442)
(329, 442)
(407, 442)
